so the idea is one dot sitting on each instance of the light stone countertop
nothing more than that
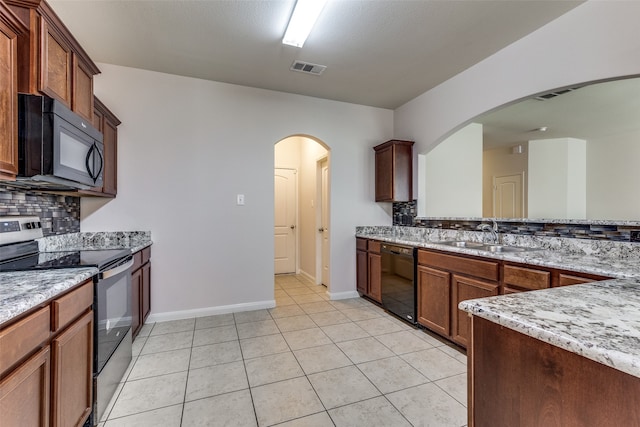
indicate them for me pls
(600, 320)
(22, 290)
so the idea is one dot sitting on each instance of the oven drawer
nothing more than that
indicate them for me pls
(20, 339)
(72, 305)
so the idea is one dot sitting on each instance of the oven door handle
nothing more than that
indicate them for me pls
(117, 270)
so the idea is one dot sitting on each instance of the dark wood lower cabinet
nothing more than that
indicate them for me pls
(140, 289)
(375, 277)
(517, 380)
(136, 293)
(24, 393)
(146, 291)
(72, 395)
(434, 292)
(462, 289)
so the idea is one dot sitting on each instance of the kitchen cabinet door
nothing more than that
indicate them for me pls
(56, 63)
(24, 393)
(394, 171)
(462, 289)
(375, 276)
(136, 290)
(146, 292)
(361, 266)
(72, 376)
(82, 93)
(434, 299)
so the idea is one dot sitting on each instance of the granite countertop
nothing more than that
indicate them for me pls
(600, 321)
(23, 290)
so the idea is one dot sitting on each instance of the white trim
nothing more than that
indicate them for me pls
(209, 311)
(343, 295)
(308, 276)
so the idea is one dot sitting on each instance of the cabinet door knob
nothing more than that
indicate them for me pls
(293, 227)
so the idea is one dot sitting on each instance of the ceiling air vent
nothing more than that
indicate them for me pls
(306, 67)
(551, 95)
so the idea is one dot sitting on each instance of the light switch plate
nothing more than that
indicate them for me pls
(240, 199)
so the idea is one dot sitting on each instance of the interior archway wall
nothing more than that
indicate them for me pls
(301, 152)
(595, 41)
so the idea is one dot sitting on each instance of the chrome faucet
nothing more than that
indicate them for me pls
(492, 229)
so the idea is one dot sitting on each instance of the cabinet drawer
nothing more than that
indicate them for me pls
(567, 279)
(374, 246)
(146, 254)
(71, 305)
(361, 244)
(472, 267)
(526, 278)
(23, 337)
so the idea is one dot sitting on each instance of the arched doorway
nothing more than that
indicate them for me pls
(302, 209)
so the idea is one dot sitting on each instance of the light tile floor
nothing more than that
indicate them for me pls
(308, 362)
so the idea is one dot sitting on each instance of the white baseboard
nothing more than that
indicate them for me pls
(308, 276)
(209, 311)
(343, 295)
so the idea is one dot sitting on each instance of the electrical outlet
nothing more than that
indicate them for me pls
(635, 236)
(240, 199)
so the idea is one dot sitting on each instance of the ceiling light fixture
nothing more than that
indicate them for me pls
(303, 18)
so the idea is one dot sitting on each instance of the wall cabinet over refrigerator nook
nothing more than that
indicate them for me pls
(394, 171)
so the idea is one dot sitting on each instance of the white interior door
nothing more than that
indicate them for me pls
(507, 196)
(324, 227)
(285, 219)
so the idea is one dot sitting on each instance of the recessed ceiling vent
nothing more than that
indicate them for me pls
(551, 95)
(306, 67)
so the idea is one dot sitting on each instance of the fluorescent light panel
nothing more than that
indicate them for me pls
(302, 20)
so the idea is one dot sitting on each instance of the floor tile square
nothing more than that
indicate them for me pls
(346, 304)
(458, 354)
(321, 419)
(317, 307)
(257, 329)
(284, 301)
(342, 386)
(226, 410)
(145, 330)
(169, 416)
(434, 364)
(344, 332)
(215, 321)
(364, 350)
(173, 326)
(306, 338)
(295, 323)
(167, 342)
(137, 345)
(327, 318)
(272, 368)
(322, 358)
(455, 386)
(430, 337)
(286, 311)
(379, 326)
(299, 291)
(215, 354)
(392, 374)
(214, 380)
(166, 362)
(427, 405)
(284, 401)
(302, 299)
(376, 412)
(403, 342)
(149, 393)
(251, 316)
(215, 335)
(263, 346)
(361, 313)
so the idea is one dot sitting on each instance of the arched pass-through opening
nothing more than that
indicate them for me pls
(302, 209)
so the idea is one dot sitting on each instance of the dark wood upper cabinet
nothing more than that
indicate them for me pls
(394, 171)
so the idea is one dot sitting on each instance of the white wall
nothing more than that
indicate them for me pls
(453, 175)
(596, 40)
(188, 146)
(557, 178)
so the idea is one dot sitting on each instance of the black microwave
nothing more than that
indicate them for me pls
(57, 149)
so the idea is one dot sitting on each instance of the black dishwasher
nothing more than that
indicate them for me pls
(398, 281)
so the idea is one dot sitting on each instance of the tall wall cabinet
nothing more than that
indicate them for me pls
(394, 171)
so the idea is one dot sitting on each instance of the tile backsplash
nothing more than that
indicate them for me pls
(58, 214)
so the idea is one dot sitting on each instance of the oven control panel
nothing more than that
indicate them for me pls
(14, 229)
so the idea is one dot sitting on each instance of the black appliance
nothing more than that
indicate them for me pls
(112, 297)
(57, 149)
(398, 285)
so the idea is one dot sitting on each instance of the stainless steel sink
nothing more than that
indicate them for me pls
(487, 247)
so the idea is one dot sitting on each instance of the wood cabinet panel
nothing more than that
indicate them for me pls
(24, 393)
(384, 174)
(82, 94)
(434, 293)
(526, 278)
(362, 268)
(72, 375)
(570, 279)
(23, 337)
(473, 267)
(56, 64)
(394, 171)
(361, 244)
(374, 246)
(136, 290)
(517, 380)
(146, 291)
(67, 308)
(375, 277)
(462, 289)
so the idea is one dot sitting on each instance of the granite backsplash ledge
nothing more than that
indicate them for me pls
(95, 240)
(605, 248)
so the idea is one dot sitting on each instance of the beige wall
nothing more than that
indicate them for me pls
(501, 162)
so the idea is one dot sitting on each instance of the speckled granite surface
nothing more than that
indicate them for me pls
(134, 240)
(600, 321)
(20, 291)
(605, 258)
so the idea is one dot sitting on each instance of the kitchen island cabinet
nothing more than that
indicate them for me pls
(46, 370)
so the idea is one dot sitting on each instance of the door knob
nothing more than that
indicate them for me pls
(292, 227)
(321, 229)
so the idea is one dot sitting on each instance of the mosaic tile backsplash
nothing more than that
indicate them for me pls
(58, 214)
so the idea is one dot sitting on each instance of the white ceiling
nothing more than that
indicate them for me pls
(380, 53)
